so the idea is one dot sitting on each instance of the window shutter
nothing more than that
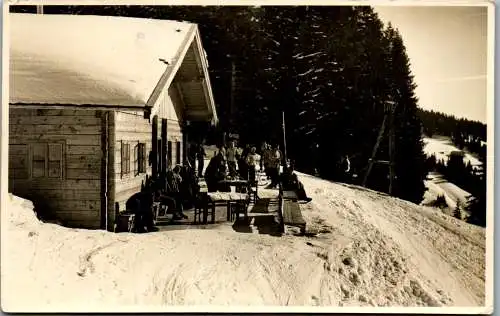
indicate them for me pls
(55, 160)
(127, 159)
(122, 154)
(142, 158)
(39, 160)
(136, 159)
(19, 161)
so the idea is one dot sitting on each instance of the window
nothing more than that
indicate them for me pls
(140, 158)
(125, 158)
(178, 152)
(47, 160)
(169, 153)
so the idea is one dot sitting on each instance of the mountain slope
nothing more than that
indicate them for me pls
(368, 250)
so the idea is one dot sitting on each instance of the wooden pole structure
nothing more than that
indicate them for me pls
(391, 150)
(374, 151)
(39, 9)
(284, 141)
(388, 114)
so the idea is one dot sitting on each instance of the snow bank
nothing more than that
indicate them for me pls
(362, 249)
(421, 255)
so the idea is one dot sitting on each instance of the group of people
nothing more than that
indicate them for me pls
(242, 163)
(230, 161)
(177, 187)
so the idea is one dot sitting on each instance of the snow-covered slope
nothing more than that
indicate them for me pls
(437, 185)
(363, 249)
(441, 147)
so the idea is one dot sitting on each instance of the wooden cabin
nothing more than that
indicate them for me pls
(97, 104)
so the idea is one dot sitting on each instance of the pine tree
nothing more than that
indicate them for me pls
(410, 158)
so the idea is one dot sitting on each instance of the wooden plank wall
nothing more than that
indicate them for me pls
(133, 128)
(175, 106)
(171, 108)
(75, 199)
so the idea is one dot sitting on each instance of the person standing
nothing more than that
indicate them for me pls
(274, 165)
(200, 155)
(242, 165)
(266, 160)
(252, 164)
(262, 151)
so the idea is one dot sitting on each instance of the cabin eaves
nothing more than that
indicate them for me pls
(58, 61)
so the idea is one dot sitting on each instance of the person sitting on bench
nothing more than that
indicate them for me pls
(290, 182)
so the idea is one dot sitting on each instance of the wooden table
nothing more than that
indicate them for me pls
(226, 198)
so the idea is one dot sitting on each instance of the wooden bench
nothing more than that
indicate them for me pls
(292, 216)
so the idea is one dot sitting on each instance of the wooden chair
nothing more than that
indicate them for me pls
(159, 212)
(239, 208)
(200, 203)
(253, 191)
(198, 209)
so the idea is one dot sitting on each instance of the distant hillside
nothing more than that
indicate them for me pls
(448, 125)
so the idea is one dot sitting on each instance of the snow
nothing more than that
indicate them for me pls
(437, 185)
(363, 249)
(62, 59)
(306, 73)
(441, 147)
(300, 56)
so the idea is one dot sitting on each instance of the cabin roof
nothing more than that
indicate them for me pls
(96, 60)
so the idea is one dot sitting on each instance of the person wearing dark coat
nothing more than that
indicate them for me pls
(141, 205)
(215, 172)
(242, 163)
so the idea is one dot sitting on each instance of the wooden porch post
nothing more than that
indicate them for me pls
(154, 147)
(184, 144)
(164, 126)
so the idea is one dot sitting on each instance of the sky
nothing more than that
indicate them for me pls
(447, 48)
